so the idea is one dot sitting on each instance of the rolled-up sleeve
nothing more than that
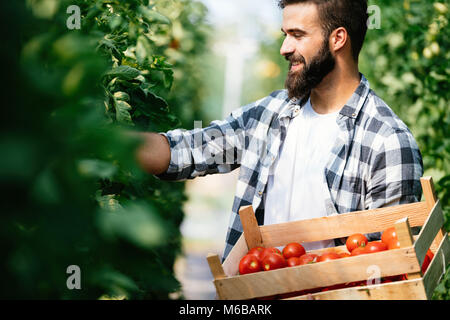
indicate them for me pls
(216, 148)
(395, 173)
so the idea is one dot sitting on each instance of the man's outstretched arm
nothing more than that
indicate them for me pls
(154, 154)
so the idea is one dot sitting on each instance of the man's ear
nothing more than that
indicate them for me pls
(339, 39)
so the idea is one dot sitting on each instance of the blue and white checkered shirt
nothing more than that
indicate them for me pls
(375, 160)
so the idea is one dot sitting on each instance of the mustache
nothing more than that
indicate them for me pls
(299, 84)
(292, 58)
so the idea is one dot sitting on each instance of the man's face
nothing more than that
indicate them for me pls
(305, 48)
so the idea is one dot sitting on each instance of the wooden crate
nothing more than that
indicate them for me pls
(290, 281)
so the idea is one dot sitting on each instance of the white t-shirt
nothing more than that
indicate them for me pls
(296, 188)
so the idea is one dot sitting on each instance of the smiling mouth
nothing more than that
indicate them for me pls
(296, 66)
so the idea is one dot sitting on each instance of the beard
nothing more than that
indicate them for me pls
(300, 83)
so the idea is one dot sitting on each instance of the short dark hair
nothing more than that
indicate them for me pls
(350, 14)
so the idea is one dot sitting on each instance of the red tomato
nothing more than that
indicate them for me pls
(293, 249)
(344, 254)
(335, 287)
(270, 250)
(308, 258)
(388, 235)
(375, 246)
(355, 284)
(426, 261)
(249, 264)
(293, 261)
(393, 244)
(400, 277)
(328, 256)
(257, 251)
(356, 240)
(273, 261)
(358, 251)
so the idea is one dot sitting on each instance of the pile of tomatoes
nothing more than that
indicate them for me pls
(266, 259)
(294, 254)
(358, 244)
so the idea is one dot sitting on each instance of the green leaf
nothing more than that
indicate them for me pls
(96, 168)
(73, 79)
(149, 102)
(73, 45)
(108, 44)
(168, 78)
(122, 112)
(46, 189)
(135, 222)
(115, 22)
(115, 282)
(45, 9)
(152, 16)
(124, 72)
(120, 95)
(108, 202)
(143, 49)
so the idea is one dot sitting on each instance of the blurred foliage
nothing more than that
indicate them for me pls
(186, 49)
(442, 290)
(406, 63)
(268, 72)
(73, 193)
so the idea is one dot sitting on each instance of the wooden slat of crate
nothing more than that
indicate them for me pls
(429, 231)
(341, 249)
(416, 289)
(403, 290)
(431, 199)
(322, 274)
(437, 266)
(231, 263)
(250, 226)
(405, 238)
(342, 225)
(215, 266)
(327, 228)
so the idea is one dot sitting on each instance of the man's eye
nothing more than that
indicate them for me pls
(298, 35)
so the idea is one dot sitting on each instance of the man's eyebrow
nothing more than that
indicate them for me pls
(294, 30)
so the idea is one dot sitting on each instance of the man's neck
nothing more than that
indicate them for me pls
(335, 90)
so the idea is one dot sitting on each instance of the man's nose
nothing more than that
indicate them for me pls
(287, 48)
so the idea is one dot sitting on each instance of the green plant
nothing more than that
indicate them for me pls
(69, 160)
(406, 62)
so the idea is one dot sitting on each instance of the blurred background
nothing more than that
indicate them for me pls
(239, 72)
(72, 193)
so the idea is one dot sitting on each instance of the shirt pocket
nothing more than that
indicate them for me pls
(352, 192)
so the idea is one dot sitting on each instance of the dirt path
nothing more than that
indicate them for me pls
(204, 230)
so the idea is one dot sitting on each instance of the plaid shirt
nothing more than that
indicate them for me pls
(375, 160)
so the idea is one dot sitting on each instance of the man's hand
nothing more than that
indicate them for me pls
(154, 154)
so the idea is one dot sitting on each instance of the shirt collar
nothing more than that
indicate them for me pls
(353, 106)
(351, 109)
(290, 109)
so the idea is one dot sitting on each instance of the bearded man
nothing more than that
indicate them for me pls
(327, 144)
